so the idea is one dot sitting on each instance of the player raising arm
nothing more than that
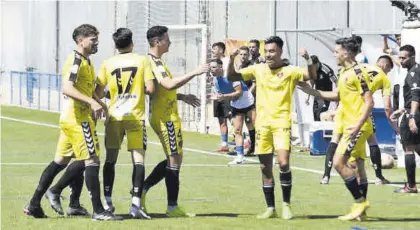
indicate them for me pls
(276, 84)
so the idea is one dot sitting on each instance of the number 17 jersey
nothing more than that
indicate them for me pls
(126, 74)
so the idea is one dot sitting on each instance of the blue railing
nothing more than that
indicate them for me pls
(35, 90)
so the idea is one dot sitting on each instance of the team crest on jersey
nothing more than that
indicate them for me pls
(412, 74)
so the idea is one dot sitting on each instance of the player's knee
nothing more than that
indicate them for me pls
(175, 160)
(93, 161)
(284, 166)
(238, 131)
(61, 160)
(138, 155)
(111, 155)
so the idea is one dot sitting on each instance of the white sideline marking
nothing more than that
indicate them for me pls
(188, 149)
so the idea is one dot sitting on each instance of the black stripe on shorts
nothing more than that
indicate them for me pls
(89, 138)
(144, 135)
(352, 144)
(172, 137)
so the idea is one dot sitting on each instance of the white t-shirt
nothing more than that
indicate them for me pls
(245, 100)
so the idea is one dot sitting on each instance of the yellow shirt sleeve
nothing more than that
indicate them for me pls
(147, 70)
(248, 73)
(297, 73)
(101, 80)
(387, 86)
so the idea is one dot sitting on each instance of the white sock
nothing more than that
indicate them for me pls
(108, 199)
(224, 144)
(136, 201)
(172, 207)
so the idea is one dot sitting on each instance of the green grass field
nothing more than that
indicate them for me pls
(222, 197)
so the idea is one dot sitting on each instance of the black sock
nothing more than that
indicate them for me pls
(76, 187)
(108, 177)
(72, 171)
(332, 147)
(172, 184)
(375, 157)
(353, 187)
(363, 186)
(268, 190)
(138, 179)
(92, 184)
(286, 185)
(45, 181)
(156, 175)
(252, 138)
(410, 169)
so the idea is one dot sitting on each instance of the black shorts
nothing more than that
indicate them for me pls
(318, 107)
(221, 109)
(407, 137)
(243, 111)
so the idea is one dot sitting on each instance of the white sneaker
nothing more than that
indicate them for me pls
(138, 213)
(237, 160)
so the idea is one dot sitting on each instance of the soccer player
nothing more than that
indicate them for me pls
(240, 99)
(378, 81)
(165, 120)
(357, 104)
(221, 109)
(250, 116)
(410, 122)
(128, 76)
(275, 86)
(77, 135)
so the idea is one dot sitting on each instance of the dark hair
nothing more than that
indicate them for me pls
(349, 44)
(409, 48)
(221, 45)
(315, 59)
(244, 48)
(388, 58)
(84, 30)
(397, 35)
(217, 60)
(256, 42)
(358, 39)
(123, 37)
(156, 33)
(274, 39)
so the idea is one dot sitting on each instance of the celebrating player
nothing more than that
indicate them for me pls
(357, 103)
(379, 81)
(77, 135)
(275, 86)
(165, 120)
(127, 74)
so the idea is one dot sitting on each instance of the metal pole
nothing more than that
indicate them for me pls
(274, 15)
(375, 32)
(226, 18)
(57, 38)
(348, 14)
(203, 81)
(39, 91)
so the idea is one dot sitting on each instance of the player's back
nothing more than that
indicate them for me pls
(351, 88)
(378, 79)
(125, 74)
(80, 71)
(275, 88)
(163, 105)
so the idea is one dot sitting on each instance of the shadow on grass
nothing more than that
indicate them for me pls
(163, 215)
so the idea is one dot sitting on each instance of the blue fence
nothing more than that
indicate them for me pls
(35, 90)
